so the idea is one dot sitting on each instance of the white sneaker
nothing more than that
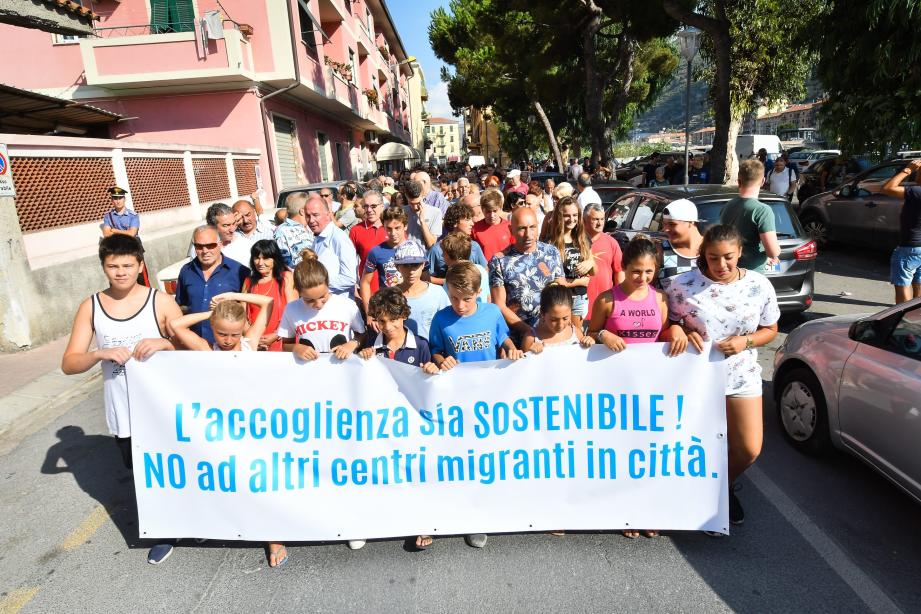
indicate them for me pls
(357, 544)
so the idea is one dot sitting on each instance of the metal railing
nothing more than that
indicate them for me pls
(146, 29)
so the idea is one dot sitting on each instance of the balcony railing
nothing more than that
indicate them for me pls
(145, 29)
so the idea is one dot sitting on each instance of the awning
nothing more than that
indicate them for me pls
(26, 112)
(396, 151)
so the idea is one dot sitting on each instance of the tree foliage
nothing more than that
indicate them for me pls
(870, 65)
(509, 53)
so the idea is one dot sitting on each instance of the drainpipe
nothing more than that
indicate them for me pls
(262, 109)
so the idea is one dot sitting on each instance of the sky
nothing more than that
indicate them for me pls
(412, 21)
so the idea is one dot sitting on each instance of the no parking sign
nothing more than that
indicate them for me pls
(6, 174)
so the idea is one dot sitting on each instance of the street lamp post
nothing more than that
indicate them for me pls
(688, 43)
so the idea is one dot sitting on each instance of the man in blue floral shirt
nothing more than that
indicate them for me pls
(518, 274)
(292, 235)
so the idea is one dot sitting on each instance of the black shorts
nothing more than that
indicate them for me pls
(124, 446)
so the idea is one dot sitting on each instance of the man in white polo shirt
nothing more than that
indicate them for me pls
(587, 194)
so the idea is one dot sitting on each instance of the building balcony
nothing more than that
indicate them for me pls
(136, 57)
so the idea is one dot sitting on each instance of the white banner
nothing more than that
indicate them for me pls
(260, 447)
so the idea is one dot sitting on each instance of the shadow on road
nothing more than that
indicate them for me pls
(97, 468)
(847, 300)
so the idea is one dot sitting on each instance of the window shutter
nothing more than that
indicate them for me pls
(159, 16)
(284, 148)
(183, 15)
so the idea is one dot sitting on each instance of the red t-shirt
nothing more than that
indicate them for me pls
(521, 189)
(608, 255)
(492, 238)
(365, 238)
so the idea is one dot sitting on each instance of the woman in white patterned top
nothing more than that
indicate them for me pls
(737, 311)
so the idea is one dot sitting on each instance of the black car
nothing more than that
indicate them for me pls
(609, 191)
(640, 211)
(542, 176)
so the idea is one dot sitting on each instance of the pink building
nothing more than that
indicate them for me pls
(314, 85)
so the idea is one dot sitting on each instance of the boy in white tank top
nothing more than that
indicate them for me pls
(128, 321)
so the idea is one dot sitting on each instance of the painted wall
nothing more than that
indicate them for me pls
(34, 61)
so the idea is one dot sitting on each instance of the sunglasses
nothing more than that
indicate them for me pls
(327, 195)
(208, 246)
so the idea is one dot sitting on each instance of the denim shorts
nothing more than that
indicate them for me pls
(905, 266)
(580, 305)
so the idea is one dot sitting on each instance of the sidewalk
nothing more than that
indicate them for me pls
(33, 390)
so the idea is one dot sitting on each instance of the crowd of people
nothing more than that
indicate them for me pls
(439, 273)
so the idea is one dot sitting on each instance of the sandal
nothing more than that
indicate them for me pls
(630, 533)
(651, 533)
(273, 554)
(424, 541)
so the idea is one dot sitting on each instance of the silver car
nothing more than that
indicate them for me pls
(854, 383)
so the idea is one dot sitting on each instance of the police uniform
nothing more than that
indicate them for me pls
(125, 220)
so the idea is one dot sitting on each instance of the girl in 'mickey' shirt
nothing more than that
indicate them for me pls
(320, 322)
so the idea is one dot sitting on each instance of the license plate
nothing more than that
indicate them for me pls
(771, 268)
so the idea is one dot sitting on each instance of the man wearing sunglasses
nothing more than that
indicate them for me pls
(207, 275)
(330, 199)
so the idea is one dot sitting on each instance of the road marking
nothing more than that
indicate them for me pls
(863, 585)
(87, 528)
(17, 599)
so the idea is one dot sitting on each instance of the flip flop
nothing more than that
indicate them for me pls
(625, 531)
(651, 534)
(278, 563)
(426, 546)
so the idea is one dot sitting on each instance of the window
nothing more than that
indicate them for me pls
(285, 150)
(883, 174)
(353, 60)
(172, 16)
(370, 20)
(906, 336)
(308, 33)
(323, 154)
(66, 39)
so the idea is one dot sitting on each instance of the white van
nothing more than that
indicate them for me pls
(748, 144)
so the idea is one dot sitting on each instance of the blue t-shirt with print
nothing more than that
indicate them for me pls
(380, 259)
(472, 338)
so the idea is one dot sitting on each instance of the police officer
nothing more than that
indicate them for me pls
(120, 220)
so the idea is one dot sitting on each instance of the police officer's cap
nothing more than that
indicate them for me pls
(117, 191)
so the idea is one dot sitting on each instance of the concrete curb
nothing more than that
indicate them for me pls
(38, 403)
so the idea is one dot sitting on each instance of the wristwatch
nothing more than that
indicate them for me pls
(749, 342)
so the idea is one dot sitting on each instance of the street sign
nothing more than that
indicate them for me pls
(6, 173)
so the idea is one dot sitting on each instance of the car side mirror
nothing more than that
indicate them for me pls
(846, 192)
(863, 331)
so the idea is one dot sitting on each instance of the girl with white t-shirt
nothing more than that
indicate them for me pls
(320, 322)
(555, 327)
(737, 310)
(228, 321)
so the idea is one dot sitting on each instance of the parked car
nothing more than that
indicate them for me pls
(641, 211)
(610, 191)
(309, 188)
(851, 383)
(858, 212)
(803, 159)
(826, 174)
(542, 176)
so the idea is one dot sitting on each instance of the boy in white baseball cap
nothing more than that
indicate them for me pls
(679, 253)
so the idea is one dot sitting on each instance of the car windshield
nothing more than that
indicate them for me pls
(787, 225)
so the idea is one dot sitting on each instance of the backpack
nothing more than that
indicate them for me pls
(790, 175)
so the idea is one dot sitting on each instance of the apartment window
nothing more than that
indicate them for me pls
(370, 20)
(308, 35)
(324, 155)
(286, 150)
(353, 60)
(66, 39)
(172, 16)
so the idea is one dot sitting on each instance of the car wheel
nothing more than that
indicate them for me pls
(802, 411)
(817, 230)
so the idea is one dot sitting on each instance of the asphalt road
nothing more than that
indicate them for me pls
(821, 535)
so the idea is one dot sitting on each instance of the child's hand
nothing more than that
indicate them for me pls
(220, 298)
(305, 352)
(373, 325)
(367, 353)
(121, 355)
(537, 347)
(448, 363)
(679, 341)
(431, 368)
(345, 350)
(145, 348)
(514, 354)
(587, 341)
(613, 342)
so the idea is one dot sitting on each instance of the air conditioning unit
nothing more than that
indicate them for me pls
(370, 136)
